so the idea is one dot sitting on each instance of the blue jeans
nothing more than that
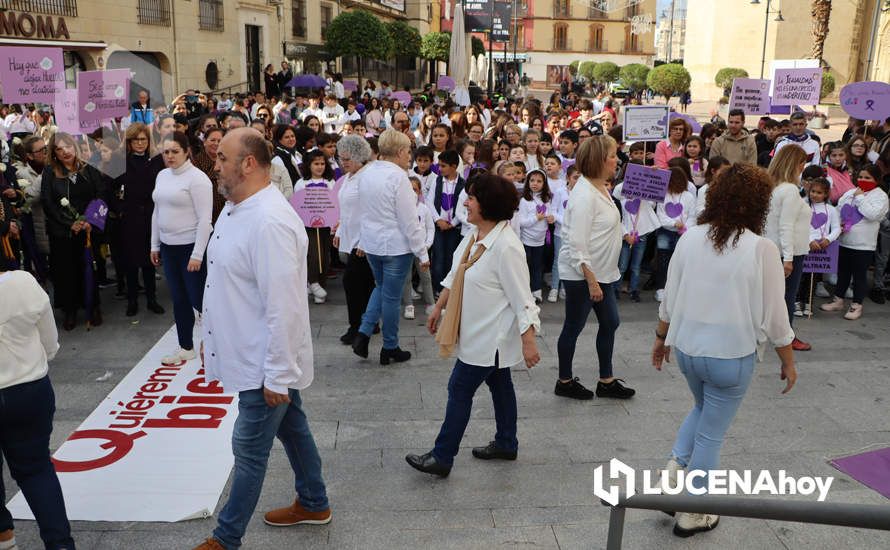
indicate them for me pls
(26, 422)
(792, 282)
(718, 386)
(385, 303)
(666, 243)
(186, 288)
(534, 258)
(255, 428)
(554, 270)
(578, 306)
(444, 245)
(632, 255)
(465, 380)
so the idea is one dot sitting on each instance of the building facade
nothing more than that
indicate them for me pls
(173, 45)
(670, 32)
(857, 47)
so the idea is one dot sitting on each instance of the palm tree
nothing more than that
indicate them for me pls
(821, 11)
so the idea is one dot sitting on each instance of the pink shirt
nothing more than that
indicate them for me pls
(841, 182)
(664, 153)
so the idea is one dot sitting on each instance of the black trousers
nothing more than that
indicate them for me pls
(148, 279)
(66, 268)
(358, 282)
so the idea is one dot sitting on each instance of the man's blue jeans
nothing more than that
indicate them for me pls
(718, 386)
(390, 273)
(255, 428)
(633, 256)
(465, 380)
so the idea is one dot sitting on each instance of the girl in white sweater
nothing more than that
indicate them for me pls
(861, 211)
(535, 213)
(825, 228)
(675, 215)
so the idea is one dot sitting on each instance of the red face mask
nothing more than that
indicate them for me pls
(867, 185)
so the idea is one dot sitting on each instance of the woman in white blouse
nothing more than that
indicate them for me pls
(588, 268)
(788, 223)
(715, 328)
(180, 230)
(497, 323)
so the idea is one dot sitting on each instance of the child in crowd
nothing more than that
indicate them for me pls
(694, 151)
(716, 165)
(442, 202)
(546, 145)
(861, 211)
(426, 284)
(535, 213)
(440, 141)
(534, 160)
(560, 200)
(510, 172)
(568, 143)
(675, 214)
(519, 174)
(517, 153)
(639, 220)
(327, 144)
(683, 164)
(466, 149)
(423, 162)
(837, 172)
(553, 169)
(825, 228)
(317, 172)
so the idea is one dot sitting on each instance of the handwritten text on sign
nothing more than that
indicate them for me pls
(317, 206)
(866, 100)
(31, 75)
(797, 86)
(103, 94)
(66, 115)
(750, 95)
(822, 261)
(643, 182)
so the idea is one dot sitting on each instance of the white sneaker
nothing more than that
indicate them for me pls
(409, 312)
(415, 295)
(659, 295)
(855, 312)
(179, 357)
(318, 292)
(428, 310)
(807, 310)
(835, 305)
(537, 296)
(798, 310)
(689, 524)
(821, 291)
(319, 300)
(849, 294)
(562, 294)
(552, 296)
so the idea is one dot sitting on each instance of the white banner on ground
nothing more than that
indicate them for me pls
(157, 448)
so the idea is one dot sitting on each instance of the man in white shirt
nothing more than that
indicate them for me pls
(257, 338)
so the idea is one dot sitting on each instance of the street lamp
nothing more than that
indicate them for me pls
(778, 19)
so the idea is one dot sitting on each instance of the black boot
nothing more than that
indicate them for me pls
(348, 337)
(96, 317)
(132, 308)
(70, 320)
(360, 345)
(396, 355)
(428, 464)
(154, 307)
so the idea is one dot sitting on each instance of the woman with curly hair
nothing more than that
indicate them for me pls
(715, 346)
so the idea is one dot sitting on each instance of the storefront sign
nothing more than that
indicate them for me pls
(295, 50)
(478, 17)
(33, 26)
(103, 94)
(31, 75)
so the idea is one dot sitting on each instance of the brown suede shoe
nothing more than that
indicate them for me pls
(295, 514)
(210, 544)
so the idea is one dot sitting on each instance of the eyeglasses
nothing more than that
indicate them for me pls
(39, 151)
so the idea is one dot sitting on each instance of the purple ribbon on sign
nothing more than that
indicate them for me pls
(316, 184)
(869, 104)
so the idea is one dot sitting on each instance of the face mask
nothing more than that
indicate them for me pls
(867, 185)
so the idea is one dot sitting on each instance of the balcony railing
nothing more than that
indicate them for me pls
(154, 12)
(631, 47)
(211, 15)
(67, 8)
(562, 9)
(593, 46)
(596, 13)
(562, 45)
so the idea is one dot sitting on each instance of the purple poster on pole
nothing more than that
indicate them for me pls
(350, 85)
(797, 86)
(67, 114)
(96, 214)
(644, 182)
(866, 100)
(317, 205)
(822, 261)
(103, 94)
(445, 83)
(31, 75)
(750, 95)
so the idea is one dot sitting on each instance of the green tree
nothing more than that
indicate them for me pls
(358, 33)
(605, 72)
(405, 41)
(573, 67)
(633, 77)
(828, 84)
(435, 46)
(669, 79)
(586, 70)
(726, 75)
(477, 46)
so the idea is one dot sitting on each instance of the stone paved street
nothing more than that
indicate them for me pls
(366, 418)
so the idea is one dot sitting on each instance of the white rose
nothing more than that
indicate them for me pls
(16, 141)
(24, 184)
(2, 167)
(64, 202)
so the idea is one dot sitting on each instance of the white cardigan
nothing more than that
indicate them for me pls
(788, 221)
(591, 235)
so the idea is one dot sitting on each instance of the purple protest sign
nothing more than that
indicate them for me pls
(403, 96)
(866, 100)
(750, 95)
(96, 214)
(317, 206)
(65, 109)
(822, 261)
(350, 85)
(103, 94)
(644, 182)
(797, 86)
(445, 83)
(31, 75)
(696, 126)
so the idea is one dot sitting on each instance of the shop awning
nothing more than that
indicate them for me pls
(66, 44)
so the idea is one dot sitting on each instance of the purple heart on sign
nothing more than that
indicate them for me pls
(96, 214)
(673, 209)
(632, 206)
(447, 201)
(850, 215)
(818, 220)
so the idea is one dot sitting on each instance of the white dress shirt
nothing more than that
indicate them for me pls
(389, 212)
(497, 306)
(350, 226)
(331, 118)
(788, 221)
(28, 336)
(183, 210)
(591, 235)
(710, 318)
(256, 312)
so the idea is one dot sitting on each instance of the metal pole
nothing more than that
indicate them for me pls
(515, 28)
(616, 527)
(491, 52)
(670, 55)
(765, 29)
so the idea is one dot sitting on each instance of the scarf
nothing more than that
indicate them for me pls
(798, 139)
(449, 330)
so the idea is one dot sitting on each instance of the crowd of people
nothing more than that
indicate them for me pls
(481, 213)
